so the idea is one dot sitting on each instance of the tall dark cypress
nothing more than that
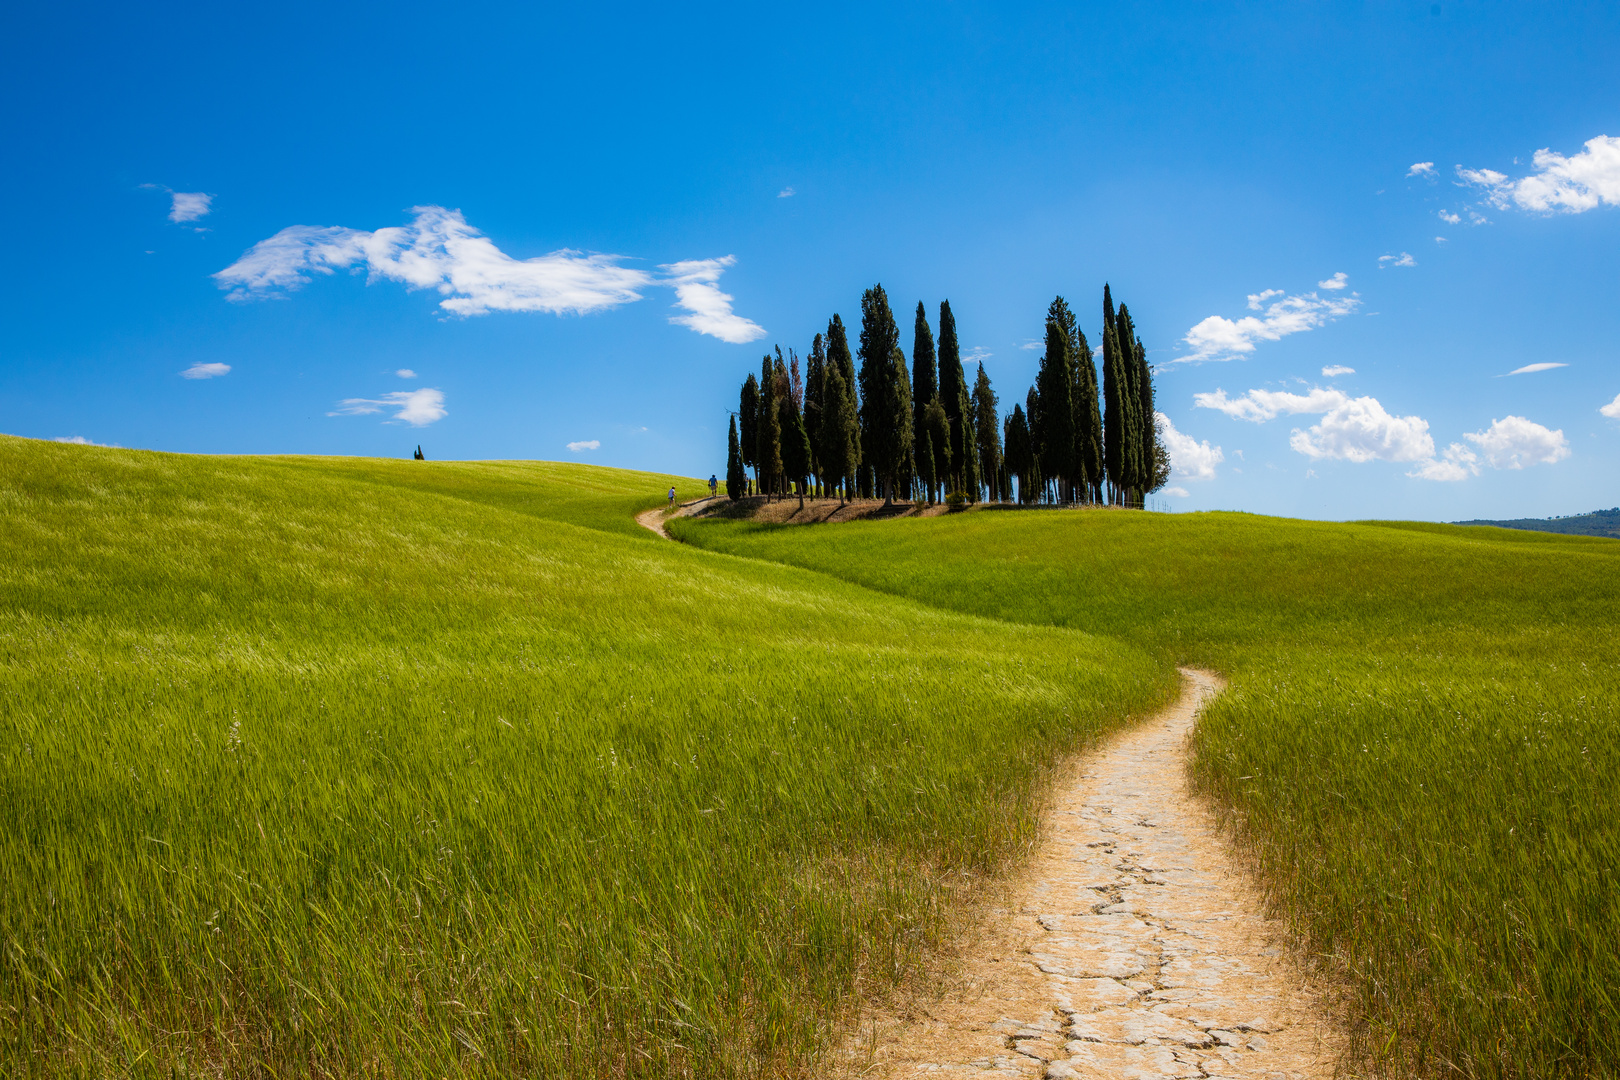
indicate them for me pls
(815, 369)
(768, 431)
(1055, 384)
(1116, 404)
(748, 414)
(1147, 427)
(905, 466)
(1088, 435)
(987, 433)
(952, 386)
(1032, 417)
(736, 478)
(1133, 361)
(885, 411)
(1019, 457)
(925, 379)
(840, 432)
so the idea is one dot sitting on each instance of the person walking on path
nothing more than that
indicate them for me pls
(714, 485)
(672, 496)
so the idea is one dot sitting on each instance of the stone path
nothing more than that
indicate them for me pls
(1135, 948)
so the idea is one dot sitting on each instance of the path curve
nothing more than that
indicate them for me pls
(1134, 947)
(654, 519)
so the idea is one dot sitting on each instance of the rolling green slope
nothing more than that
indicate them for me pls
(344, 767)
(1421, 737)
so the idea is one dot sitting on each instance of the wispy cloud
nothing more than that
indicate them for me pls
(1351, 429)
(405, 373)
(1450, 218)
(205, 371)
(1335, 370)
(1403, 259)
(785, 193)
(1531, 368)
(1337, 281)
(585, 444)
(1456, 464)
(185, 206)
(1612, 409)
(417, 408)
(979, 354)
(696, 290)
(1514, 442)
(1189, 458)
(1219, 338)
(1422, 168)
(439, 250)
(1559, 184)
(79, 440)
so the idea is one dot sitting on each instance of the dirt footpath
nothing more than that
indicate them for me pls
(1135, 947)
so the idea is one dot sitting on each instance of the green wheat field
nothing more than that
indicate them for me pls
(342, 767)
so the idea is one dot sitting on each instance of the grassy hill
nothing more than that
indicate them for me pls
(1597, 523)
(315, 766)
(1420, 739)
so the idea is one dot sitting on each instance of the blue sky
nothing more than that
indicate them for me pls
(578, 230)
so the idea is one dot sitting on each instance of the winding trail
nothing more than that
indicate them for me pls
(1133, 947)
(654, 519)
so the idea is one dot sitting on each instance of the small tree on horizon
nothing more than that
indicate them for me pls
(748, 413)
(736, 478)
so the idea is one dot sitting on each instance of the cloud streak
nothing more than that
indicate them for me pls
(1559, 184)
(205, 371)
(1219, 338)
(417, 408)
(438, 250)
(585, 444)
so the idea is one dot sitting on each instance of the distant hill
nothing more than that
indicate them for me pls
(1597, 523)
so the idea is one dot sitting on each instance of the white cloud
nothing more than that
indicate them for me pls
(1189, 458)
(1422, 168)
(979, 353)
(1178, 492)
(205, 371)
(1514, 442)
(1612, 409)
(188, 206)
(78, 440)
(1337, 281)
(405, 373)
(696, 291)
(1351, 429)
(1403, 259)
(1337, 369)
(1450, 218)
(1459, 463)
(1530, 368)
(585, 444)
(1440, 240)
(439, 250)
(1218, 338)
(1030, 346)
(417, 408)
(1570, 185)
(785, 193)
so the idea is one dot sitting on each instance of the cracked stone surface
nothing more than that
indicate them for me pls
(1135, 947)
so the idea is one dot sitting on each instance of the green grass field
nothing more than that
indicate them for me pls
(1420, 738)
(335, 767)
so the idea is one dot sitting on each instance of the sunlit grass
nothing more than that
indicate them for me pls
(343, 767)
(1420, 738)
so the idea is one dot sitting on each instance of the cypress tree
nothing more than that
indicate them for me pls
(1147, 427)
(748, 412)
(1018, 450)
(1055, 384)
(1088, 437)
(815, 369)
(795, 440)
(885, 413)
(768, 429)
(924, 378)
(952, 386)
(1032, 417)
(1116, 404)
(926, 465)
(1135, 449)
(971, 480)
(987, 432)
(840, 433)
(736, 479)
(905, 465)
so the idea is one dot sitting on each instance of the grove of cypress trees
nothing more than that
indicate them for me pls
(952, 387)
(987, 433)
(1055, 385)
(748, 412)
(840, 448)
(1018, 450)
(736, 478)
